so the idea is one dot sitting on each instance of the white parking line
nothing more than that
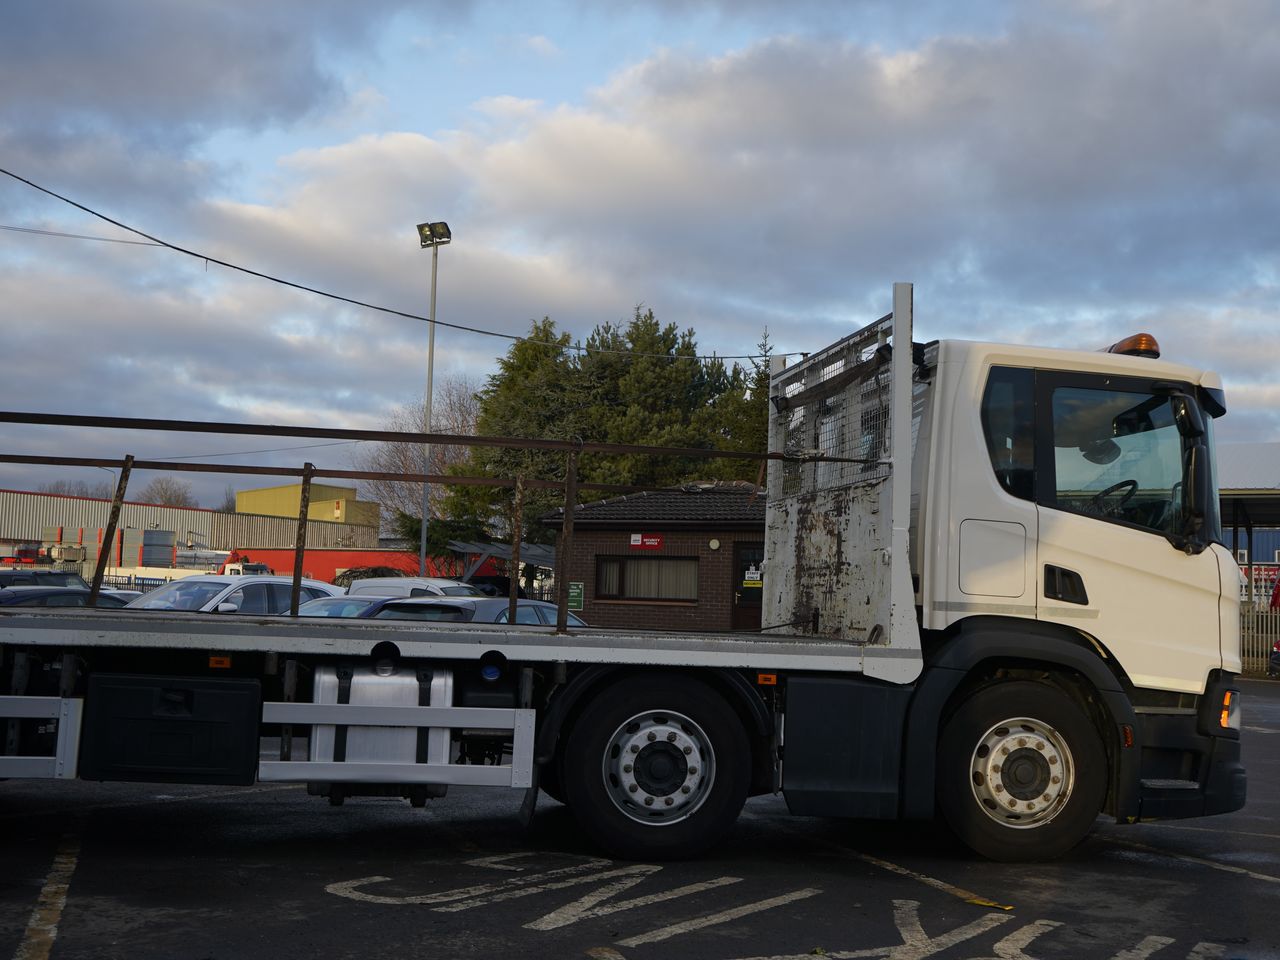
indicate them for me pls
(42, 928)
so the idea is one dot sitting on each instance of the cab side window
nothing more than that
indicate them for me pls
(1008, 424)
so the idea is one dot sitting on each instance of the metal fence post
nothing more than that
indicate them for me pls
(517, 534)
(109, 535)
(566, 542)
(300, 544)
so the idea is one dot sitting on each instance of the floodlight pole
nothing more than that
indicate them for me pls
(426, 447)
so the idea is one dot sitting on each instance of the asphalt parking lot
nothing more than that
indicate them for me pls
(145, 871)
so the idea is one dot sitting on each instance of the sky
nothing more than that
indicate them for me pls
(1064, 172)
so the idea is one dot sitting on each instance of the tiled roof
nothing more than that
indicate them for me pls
(724, 502)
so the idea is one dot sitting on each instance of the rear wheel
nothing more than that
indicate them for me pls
(1021, 772)
(657, 767)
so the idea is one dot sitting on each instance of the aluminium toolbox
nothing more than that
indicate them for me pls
(381, 685)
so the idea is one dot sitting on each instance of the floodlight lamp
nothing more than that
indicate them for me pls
(433, 234)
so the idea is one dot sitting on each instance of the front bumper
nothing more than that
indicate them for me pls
(1190, 765)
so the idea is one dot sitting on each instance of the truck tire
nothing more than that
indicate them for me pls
(1021, 772)
(657, 767)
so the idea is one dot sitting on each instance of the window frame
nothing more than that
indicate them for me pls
(625, 560)
(1046, 463)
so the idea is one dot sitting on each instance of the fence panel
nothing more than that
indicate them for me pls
(1259, 630)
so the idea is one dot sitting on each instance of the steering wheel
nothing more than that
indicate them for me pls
(1130, 487)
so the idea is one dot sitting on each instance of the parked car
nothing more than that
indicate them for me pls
(214, 593)
(124, 595)
(413, 587)
(52, 596)
(29, 577)
(448, 609)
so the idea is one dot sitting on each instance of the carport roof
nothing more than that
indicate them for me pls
(1249, 484)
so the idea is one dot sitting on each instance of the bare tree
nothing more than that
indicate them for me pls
(168, 492)
(228, 504)
(453, 410)
(102, 490)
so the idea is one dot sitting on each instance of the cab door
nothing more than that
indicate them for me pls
(1112, 556)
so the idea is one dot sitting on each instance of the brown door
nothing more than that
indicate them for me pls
(748, 585)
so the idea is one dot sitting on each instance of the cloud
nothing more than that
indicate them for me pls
(541, 46)
(1063, 179)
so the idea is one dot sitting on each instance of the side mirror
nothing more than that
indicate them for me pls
(1186, 415)
(226, 607)
(1197, 490)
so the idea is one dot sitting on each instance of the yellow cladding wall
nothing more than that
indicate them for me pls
(328, 502)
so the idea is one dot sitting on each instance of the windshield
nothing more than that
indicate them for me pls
(1120, 455)
(179, 595)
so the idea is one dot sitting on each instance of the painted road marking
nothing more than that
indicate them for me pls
(968, 896)
(351, 888)
(42, 928)
(916, 944)
(588, 907)
(711, 920)
(1213, 864)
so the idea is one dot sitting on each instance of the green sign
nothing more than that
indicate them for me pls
(575, 594)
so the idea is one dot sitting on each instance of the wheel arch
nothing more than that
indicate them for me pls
(979, 650)
(567, 704)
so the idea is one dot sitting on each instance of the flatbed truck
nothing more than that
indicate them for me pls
(994, 589)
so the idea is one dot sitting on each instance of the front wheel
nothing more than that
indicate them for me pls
(1021, 772)
(657, 767)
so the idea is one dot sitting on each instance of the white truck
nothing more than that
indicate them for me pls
(994, 589)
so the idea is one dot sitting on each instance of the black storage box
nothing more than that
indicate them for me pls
(171, 729)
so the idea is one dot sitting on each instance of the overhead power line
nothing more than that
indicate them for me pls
(156, 241)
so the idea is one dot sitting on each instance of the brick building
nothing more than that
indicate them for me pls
(688, 558)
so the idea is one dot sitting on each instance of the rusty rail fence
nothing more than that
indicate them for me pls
(570, 485)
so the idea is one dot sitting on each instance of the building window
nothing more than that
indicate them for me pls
(647, 578)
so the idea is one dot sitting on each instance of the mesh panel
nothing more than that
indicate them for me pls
(836, 404)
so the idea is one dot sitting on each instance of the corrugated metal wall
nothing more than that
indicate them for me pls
(27, 516)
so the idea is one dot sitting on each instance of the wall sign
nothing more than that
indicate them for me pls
(575, 594)
(646, 541)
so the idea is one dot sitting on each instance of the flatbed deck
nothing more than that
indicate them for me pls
(428, 640)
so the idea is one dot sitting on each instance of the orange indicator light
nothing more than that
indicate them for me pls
(219, 663)
(766, 679)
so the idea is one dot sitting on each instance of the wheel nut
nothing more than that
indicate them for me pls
(693, 771)
(648, 801)
(1004, 751)
(1012, 803)
(688, 750)
(1046, 797)
(1053, 759)
(626, 768)
(1056, 779)
(668, 801)
(634, 748)
(1039, 746)
(633, 788)
(1022, 741)
(685, 788)
(671, 737)
(652, 736)
(995, 768)
(999, 788)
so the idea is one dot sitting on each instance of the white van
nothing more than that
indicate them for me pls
(413, 587)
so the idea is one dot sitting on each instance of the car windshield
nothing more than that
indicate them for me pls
(336, 606)
(179, 595)
(59, 579)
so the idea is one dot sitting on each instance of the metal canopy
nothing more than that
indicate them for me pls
(534, 554)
